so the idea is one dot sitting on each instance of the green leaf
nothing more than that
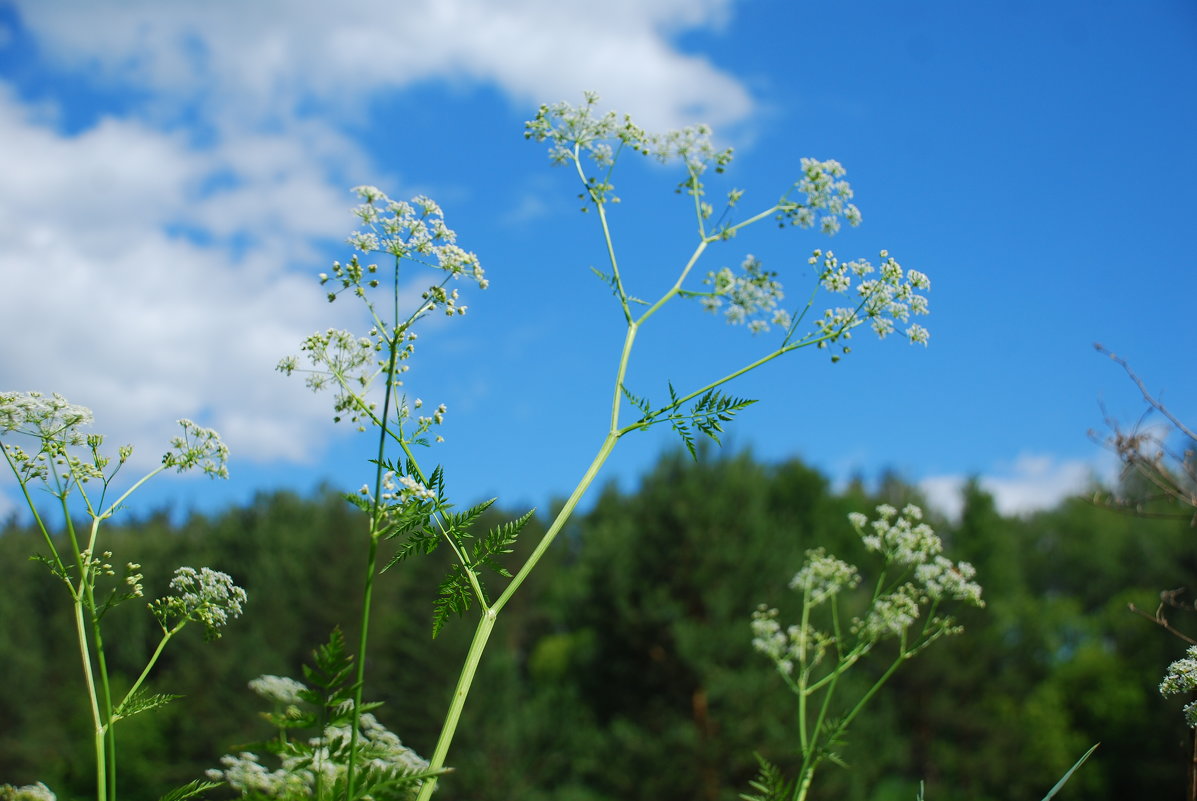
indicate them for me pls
(457, 525)
(715, 408)
(330, 674)
(1064, 779)
(141, 702)
(679, 424)
(190, 790)
(500, 540)
(51, 565)
(640, 403)
(609, 280)
(360, 501)
(770, 783)
(454, 598)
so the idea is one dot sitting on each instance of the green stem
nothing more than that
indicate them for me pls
(148, 667)
(81, 595)
(677, 285)
(803, 736)
(600, 204)
(487, 621)
(807, 776)
(729, 377)
(93, 700)
(490, 615)
(105, 689)
(371, 556)
(864, 699)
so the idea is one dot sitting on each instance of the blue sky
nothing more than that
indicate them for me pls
(174, 175)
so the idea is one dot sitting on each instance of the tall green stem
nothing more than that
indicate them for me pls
(93, 700)
(489, 615)
(371, 558)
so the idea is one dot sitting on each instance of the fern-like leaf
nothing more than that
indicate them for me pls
(143, 702)
(330, 674)
(770, 783)
(713, 409)
(500, 540)
(679, 425)
(454, 595)
(609, 280)
(640, 403)
(457, 525)
(190, 790)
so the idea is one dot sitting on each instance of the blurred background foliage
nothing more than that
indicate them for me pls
(624, 670)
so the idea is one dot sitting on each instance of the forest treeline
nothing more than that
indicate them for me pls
(625, 670)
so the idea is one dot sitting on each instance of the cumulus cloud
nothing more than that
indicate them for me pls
(265, 57)
(120, 311)
(1032, 483)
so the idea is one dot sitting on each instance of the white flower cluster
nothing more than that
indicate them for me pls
(56, 423)
(348, 362)
(29, 792)
(341, 359)
(881, 301)
(205, 596)
(890, 614)
(279, 689)
(574, 130)
(1181, 679)
(243, 772)
(902, 538)
(35, 414)
(823, 576)
(751, 298)
(198, 447)
(401, 489)
(789, 645)
(925, 578)
(323, 763)
(827, 194)
(414, 230)
(941, 578)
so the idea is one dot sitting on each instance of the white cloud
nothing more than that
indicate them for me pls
(1033, 482)
(117, 313)
(263, 58)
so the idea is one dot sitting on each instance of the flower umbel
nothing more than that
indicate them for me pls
(900, 611)
(1181, 679)
(574, 131)
(752, 298)
(826, 194)
(823, 576)
(413, 230)
(35, 414)
(202, 596)
(30, 792)
(198, 447)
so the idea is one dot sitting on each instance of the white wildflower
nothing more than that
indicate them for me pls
(279, 689)
(823, 576)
